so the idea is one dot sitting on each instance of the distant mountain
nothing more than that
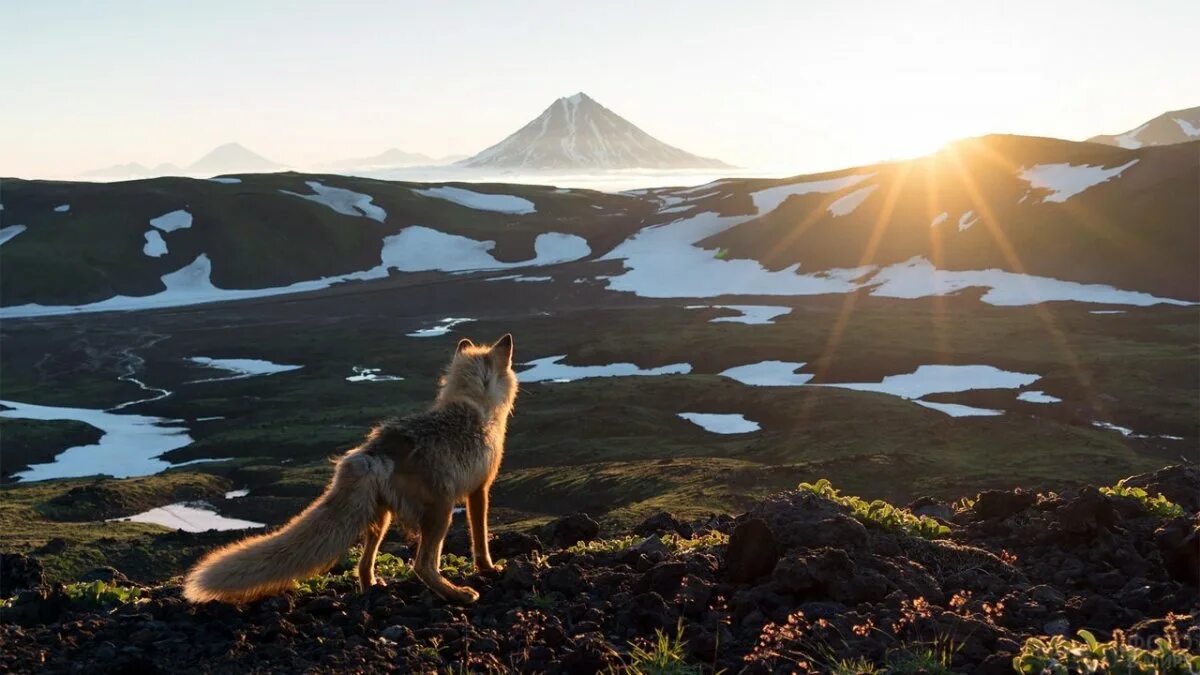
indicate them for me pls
(232, 158)
(390, 158)
(1177, 126)
(576, 132)
(227, 158)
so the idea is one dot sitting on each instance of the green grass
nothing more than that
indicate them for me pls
(673, 542)
(664, 655)
(880, 512)
(1059, 655)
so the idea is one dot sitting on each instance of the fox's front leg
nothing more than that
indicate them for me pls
(477, 513)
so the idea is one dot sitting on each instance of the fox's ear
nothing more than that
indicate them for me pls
(463, 344)
(503, 350)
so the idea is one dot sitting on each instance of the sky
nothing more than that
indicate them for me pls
(809, 85)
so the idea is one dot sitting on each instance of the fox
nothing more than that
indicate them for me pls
(413, 470)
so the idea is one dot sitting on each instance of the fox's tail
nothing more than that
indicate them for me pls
(308, 545)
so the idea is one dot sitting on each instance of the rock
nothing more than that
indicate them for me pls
(1179, 541)
(931, 507)
(652, 544)
(752, 553)
(1000, 504)
(1059, 626)
(55, 545)
(513, 544)
(661, 523)
(570, 530)
(518, 575)
(664, 579)
(19, 572)
(398, 633)
(1047, 596)
(1088, 512)
(802, 519)
(108, 575)
(565, 579)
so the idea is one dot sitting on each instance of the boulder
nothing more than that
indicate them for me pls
(753, 552)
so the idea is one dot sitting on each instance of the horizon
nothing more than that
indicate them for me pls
(167, 84)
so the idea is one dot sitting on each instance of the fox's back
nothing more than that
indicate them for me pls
(446, 445)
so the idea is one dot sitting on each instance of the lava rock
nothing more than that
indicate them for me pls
(1000, 504)
(19, 572)
(570, 530)
(753, 552)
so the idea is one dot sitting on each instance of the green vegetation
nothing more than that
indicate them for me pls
(101, 593)
(673, 542)
(924, 659)
(1159, 505)
(880, 512)
(664, 655)
(1059, 656)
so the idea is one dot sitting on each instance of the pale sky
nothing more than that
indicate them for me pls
(798, 84)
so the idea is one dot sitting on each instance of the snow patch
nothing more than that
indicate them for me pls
(480, 201)
(939, 219)
(175, 220)
(227, 180)
(721, 423)
(1067, 180)
(749, 314)
(846, 205)
(341, 200)
(190, 517)
(769, 199)
(130, 445)
(419, 249)
(441, 328)
(1186, 127)
(363, 374)
(1107, 311)
(917, 278)
(520, 278)
(234, 494)
(155, 246)
(941, 379)
(769, 374)
(62, 208)
(550, 369)
(1129, 140)
(11, 231)
(1037, 397)
(966, 220)
(241, 368)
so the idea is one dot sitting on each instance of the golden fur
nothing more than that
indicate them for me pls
(414, 469)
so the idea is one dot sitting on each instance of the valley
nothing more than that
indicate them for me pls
(892, 328)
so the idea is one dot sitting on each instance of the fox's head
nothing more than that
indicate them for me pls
(482, 374)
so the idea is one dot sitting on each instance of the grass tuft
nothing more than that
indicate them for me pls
(880, 512)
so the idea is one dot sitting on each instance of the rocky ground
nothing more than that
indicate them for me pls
(796, 584)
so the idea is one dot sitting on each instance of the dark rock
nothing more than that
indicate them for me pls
(752, 553)
(513, 544)
(1000, 504)
(19, 572)
(1179, 542)
(802, 519)
(661, 523)
(55, 545)
(931, 507)
(109, 575)
(664, 579)
(570, 530)
(1088, 512)
(565, 579)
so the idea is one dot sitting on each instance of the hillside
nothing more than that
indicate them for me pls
(576, 132)
(1025, 219)
(1177, 126)
(799, 583)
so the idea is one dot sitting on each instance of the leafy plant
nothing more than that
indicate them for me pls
(101, 593)
(880, 512)
(1159, 505)
(1059, 656)
(856, 666)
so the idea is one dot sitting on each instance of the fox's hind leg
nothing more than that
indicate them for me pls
(372, 538)
(435, 522)
(477, 514)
